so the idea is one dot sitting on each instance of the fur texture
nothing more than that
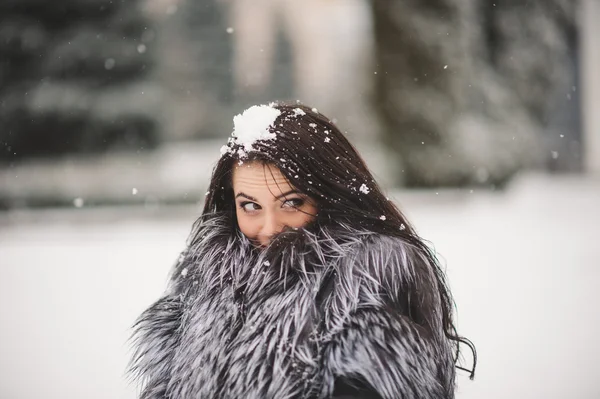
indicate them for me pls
(312, 311)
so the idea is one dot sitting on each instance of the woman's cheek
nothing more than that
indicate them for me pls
(246, 225)
(300, 219)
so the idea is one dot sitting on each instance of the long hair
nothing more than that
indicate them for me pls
(319, 161)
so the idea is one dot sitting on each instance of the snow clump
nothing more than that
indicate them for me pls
(252, 126)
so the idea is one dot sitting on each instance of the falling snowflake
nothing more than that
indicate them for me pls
(382, 217)
(109, 63)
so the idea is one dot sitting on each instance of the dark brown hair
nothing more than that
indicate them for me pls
(319, 161)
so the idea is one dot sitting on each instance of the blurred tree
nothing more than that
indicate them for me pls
(73, 77)
(465, 86)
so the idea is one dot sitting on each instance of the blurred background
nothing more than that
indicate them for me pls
(480, 118)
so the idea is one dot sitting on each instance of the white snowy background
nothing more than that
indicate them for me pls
(524, 266)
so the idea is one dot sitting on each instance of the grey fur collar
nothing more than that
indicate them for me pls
(288, 322)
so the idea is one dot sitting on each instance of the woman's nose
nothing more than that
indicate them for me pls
(271, 226)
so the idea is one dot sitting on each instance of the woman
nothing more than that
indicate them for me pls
(300, 280)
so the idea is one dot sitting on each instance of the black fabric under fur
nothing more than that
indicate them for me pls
(311, 311)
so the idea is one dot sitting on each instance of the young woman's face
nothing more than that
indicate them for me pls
(266, 203)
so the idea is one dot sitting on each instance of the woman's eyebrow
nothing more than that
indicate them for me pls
(240, 194)
(287, 193)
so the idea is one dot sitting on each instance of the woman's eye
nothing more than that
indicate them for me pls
(293, 203)
(249, 207)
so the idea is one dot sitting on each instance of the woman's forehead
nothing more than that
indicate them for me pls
(257, 177)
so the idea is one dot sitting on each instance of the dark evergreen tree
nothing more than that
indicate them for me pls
(466, 87)
(73, 77)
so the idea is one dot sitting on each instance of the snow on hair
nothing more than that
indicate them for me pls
(251, 126)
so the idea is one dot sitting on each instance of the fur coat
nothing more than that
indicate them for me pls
(321, 314)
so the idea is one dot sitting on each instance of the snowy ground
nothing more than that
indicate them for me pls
(524, 266)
